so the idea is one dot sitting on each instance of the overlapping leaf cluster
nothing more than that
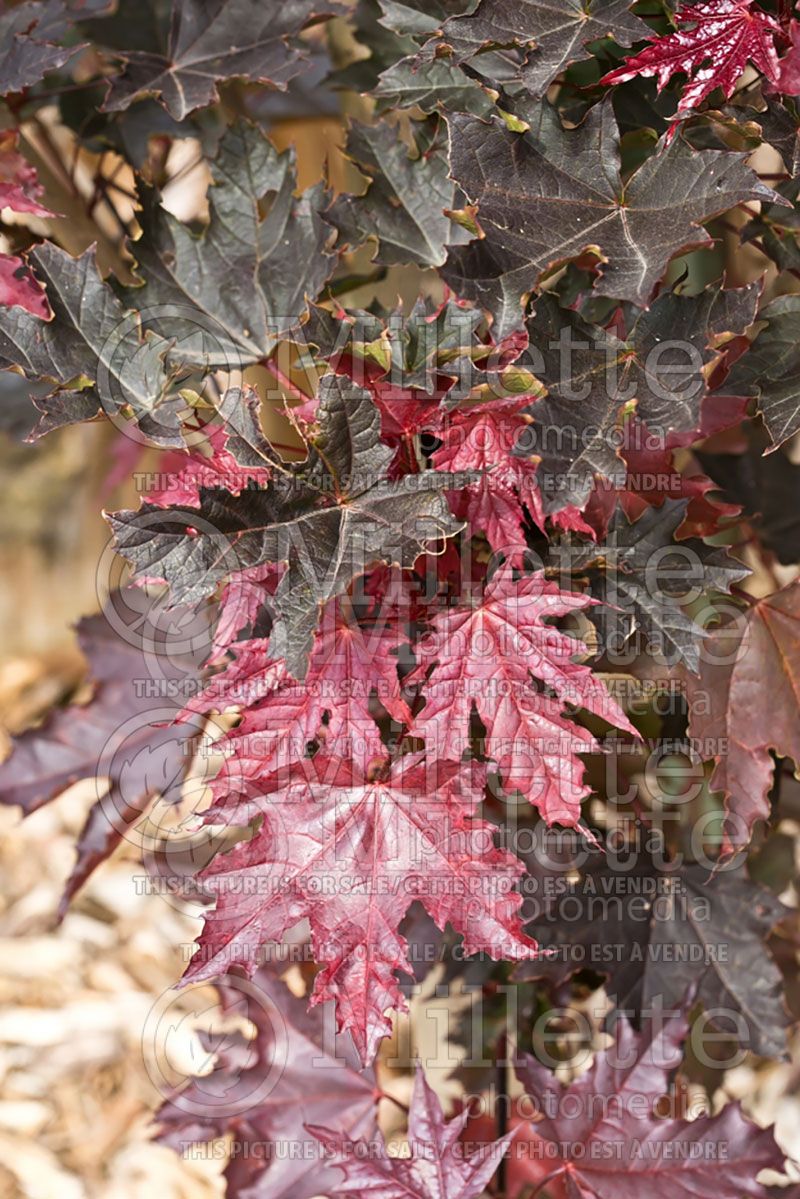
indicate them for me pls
(481, 524)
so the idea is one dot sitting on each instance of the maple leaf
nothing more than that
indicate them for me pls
(648, 579)
(332, 704)
(554, 35)
(404, 415)
(297, 1045)
(431, 85)
(234, 454)
(744, 703)
(652, 477)
(594, 377)
(243, 602)
(20, 189)
(211, 42)
(768, 489)
(279, 243)
(547, 195)
(518, 670)
(330, 519)
(723, 36)
(403, 208)
(602, 1137)
(120, 732)
(29, 34)
(94, 350)
(437, 1166)
(484, 438)
(788, 80)
(649, 905)
(769, 371)
(418, 18)
(19, 287)
(350, 851)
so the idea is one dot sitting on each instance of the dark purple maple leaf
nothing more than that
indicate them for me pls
(30, 37)
(263, 1092)
(438, 1167)
(211, 41)
(606, 1141)
(123, 732)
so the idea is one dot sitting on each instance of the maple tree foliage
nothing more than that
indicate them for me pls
(463, 516)
(684, 907)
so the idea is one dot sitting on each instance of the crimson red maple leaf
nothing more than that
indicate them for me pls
(20, 191)
(713, 44)
(571, 520)
(789, 69)
(652, 478)
(241, 603)
(501, 655)
(398, 594)
(484, 438)
(405, 413)
(333, 703)
(439, 1165)
(181, 476)
(18, 286)
(350, 852)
